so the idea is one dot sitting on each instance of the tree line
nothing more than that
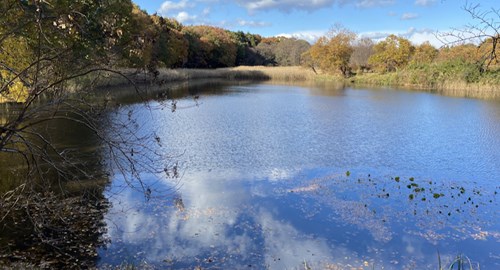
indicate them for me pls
(164, 42)
(119, 34)
(341, 52)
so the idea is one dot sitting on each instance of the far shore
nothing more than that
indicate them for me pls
(293, 75)
(297, 74)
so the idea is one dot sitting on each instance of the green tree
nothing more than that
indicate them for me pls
(246, 51)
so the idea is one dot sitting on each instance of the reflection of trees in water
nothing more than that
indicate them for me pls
(54, 218)
(53, 230)
(52, 207)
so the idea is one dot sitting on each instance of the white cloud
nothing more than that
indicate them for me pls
(409, 16)
(169, 6)
(184, 17)
(310, 36)
(416, 36)
(424, 3)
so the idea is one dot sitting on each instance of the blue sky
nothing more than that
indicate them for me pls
(417, 20)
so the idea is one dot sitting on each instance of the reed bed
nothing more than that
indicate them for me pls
(485, 87)
(258, 73)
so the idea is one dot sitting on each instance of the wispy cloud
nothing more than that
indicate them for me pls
(253, 23)
(206, 11)
(285, 5)
(289, 5)
(409, 16)
(374, 3)
(424, 3)
(236, 24)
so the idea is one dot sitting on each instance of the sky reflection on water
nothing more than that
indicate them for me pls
(265, 184)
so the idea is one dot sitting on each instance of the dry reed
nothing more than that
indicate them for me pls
(460, 88)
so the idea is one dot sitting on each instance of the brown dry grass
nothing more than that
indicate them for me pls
(262, 73)
(301, 75)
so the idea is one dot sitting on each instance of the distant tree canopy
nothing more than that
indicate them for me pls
(281, 51)
(210, 47)
(362, 50)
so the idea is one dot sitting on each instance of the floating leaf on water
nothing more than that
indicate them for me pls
(437, 195)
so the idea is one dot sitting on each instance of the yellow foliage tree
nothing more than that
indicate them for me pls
(425, 53)
(467, 53)
(391, 54)
(333, 51)
(15, 58)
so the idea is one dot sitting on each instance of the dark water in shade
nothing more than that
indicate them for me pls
(288, 177)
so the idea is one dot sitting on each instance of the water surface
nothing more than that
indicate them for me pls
(284, 177)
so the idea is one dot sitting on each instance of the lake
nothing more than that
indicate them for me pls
(310, 177)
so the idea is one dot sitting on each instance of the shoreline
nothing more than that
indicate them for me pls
(291, 74)
(297, 74)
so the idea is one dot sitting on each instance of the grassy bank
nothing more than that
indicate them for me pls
(451, 78)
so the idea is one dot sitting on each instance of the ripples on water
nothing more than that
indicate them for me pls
(265, 185)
